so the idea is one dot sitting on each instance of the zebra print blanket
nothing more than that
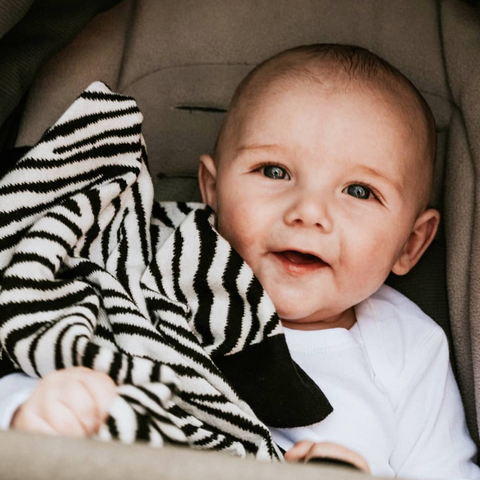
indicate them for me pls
(94, 272)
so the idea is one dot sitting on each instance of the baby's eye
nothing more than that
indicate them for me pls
(275, 172)
(358, 191)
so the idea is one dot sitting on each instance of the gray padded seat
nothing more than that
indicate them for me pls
(182, 60)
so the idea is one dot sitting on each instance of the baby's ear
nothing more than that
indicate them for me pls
(423, 233)
(207, 179)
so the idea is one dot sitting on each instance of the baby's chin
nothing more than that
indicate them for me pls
(294, 315)
(304, 316)
(303, 324)
(295, 306)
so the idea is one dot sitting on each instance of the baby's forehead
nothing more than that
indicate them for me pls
(385, 98)
(327, 82)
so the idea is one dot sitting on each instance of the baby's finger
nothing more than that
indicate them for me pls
(299, 451)
(64, 421)
(26, 420)
(337, 452)
(82, 405)
(103, 391)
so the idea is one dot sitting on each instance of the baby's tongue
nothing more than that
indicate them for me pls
(300, 258)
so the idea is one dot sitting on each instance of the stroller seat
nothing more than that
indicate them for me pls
(182, 60)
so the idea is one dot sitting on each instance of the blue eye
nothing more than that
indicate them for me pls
(359, 191)
(275, 172)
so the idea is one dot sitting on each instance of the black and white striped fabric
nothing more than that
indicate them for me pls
(94, 272)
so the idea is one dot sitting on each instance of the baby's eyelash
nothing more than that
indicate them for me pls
(372, 190)
(268, 164)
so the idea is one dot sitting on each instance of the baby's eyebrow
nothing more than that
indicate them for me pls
(260, 147)
(381, 175)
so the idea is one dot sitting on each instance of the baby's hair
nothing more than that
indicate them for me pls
(334, 66)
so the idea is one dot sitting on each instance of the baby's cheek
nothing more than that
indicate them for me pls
(372, 257)
(238, 227)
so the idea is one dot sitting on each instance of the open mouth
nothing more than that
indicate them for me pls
(300, 261)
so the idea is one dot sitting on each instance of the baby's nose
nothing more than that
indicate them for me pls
(309, 211)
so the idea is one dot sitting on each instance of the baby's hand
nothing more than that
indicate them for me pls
(307, 450)
(72, 402)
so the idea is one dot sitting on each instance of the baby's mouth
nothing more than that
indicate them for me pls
(300, 259)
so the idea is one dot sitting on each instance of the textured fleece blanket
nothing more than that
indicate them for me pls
(94, 272)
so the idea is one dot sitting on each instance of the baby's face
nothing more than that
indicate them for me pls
(318, 193)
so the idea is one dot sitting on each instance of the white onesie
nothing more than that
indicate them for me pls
(391, 385)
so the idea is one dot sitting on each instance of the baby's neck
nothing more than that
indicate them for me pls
(345, 320)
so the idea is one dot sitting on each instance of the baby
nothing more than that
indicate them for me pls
(321, 179)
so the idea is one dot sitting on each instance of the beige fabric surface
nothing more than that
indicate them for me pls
(54, 458)
(461, 40)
